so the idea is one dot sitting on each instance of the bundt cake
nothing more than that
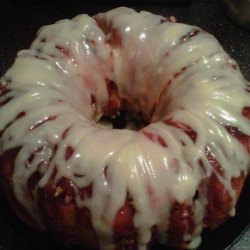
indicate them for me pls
(180, 169)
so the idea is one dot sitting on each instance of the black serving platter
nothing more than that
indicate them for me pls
(19, 21)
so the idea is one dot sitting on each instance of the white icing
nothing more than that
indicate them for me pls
(207, 96)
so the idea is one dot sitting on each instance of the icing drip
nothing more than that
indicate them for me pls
(177, 75)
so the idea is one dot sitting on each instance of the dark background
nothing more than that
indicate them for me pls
(19, 21)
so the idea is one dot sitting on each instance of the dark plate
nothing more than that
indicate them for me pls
(19, 21)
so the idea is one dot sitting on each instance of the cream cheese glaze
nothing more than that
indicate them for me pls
(169, 72)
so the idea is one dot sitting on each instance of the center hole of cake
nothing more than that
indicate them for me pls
(124, 120)
(118, 113)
